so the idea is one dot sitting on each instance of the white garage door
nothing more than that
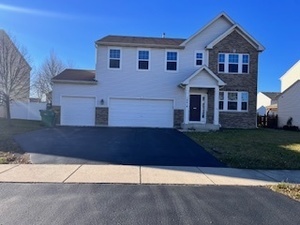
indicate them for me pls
(77, 111)
(140, 112)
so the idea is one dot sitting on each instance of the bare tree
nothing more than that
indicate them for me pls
(14, 72)
(51, 67)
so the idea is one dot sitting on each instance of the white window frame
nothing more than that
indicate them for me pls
(108, 57)
(239, 101)
(240, 63)
(137, 65)
(166, 60)
(195, 58)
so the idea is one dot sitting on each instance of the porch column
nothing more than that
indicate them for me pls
(187, 104)
(216, 106)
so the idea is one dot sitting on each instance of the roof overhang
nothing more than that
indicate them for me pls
(122, 44)
(218, 81)
(259, 47)
(74, 82)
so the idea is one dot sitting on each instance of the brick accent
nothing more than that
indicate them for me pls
(178, 117)
(237, 82)
(210, 106)
(57, 111)
(101, 116)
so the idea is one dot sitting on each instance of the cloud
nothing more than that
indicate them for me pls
(35, 12)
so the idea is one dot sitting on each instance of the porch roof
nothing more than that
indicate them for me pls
(203, 77)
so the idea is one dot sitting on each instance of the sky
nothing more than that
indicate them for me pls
(71, 27)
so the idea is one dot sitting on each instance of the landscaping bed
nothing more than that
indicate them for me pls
(291, 190)
(10, 152)
(252, 149)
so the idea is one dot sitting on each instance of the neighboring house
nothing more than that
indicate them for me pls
(204, 81)
(289, 99)
(12, 58)
(267, 103)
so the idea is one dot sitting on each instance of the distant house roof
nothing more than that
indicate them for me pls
(75, 76)
(272, 95)
(141, 41)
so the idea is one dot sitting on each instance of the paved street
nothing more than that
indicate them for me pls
(138, 204)
(112, 145)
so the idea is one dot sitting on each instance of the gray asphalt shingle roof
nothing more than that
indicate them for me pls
(272, 95)
(141, 41)
(75, 75)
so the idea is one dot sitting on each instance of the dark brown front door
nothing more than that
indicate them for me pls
(195, 107)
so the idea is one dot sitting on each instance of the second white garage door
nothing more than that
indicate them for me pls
(78, 111)
(140, 112)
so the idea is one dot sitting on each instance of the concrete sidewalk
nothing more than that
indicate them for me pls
(111, 174)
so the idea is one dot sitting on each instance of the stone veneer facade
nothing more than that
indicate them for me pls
(101, 116)
(234, 42)
(178, 117)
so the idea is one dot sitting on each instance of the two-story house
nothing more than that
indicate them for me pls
(205, 81)
(289, 99)
(14, 75)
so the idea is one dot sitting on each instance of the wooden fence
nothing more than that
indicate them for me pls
(267, 121)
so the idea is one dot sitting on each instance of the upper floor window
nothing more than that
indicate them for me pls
(198, 58)
(114, 58)
(233, 101)
(172, 58)
(143, 60)
(233, 63)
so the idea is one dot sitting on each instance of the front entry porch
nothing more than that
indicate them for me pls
(202, 100)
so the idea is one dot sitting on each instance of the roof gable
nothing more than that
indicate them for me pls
(294, 67)
(223, 16)
(290, 87)
(203, 76)
(271, 95)
(240, 31)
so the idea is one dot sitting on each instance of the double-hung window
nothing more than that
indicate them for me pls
(233, 101)
(198, 58)
(114, 58)
(233, 63)
(143, 59)
(171, 61)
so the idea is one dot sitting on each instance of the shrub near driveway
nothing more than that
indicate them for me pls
(252, 149)
(10, 152)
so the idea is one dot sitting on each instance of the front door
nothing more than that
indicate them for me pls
(195, 108)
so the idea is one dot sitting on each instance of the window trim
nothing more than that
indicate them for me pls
(166, 61)
(138, 60)
(239, 101)
(195, 58)
(108, 57)
(240, 63)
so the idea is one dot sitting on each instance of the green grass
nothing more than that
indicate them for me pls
(252, 149)
(9, 150)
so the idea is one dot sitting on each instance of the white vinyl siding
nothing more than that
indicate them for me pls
(77, 111)
(140, 112)
(289, 105)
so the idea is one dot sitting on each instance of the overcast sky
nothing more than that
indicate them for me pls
(70, 27)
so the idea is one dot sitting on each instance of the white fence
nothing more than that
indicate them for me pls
(26, 110)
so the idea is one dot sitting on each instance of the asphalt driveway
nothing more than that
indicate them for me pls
(103, 145)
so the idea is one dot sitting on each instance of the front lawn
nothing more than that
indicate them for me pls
(252, 149)
(10, 152)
